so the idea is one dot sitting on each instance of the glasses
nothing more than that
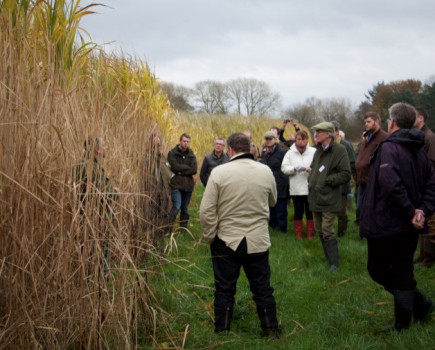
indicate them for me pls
(219, 144)
(268, 138)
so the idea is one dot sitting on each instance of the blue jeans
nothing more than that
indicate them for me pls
(180, 201)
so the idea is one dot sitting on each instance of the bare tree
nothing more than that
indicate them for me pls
(252, 96)
(178, 96)
(306, 113)
(235, 89)
(315, 110)
(212, 97)
(339, 109)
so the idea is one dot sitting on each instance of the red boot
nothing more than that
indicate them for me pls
(297, 224)
(310, 229)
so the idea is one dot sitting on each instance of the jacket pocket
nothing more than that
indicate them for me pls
(325, 196)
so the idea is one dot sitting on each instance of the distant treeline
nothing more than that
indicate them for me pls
(251, 97)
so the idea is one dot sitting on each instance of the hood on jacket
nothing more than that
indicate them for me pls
(412, 139)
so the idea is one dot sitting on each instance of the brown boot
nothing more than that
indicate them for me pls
(297, 224)
(310, 229)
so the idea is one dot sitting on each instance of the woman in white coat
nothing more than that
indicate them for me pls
(296, 164)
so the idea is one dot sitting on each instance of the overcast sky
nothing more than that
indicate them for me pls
(301, 48)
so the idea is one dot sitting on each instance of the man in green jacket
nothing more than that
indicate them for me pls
(183, 166)
(330, 170)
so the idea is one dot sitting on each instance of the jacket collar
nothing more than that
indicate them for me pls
(328, 147)
(243, 156)
(214, 155)
(181, 152)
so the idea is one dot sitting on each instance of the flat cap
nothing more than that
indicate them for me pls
(324, 126)
(270, 134)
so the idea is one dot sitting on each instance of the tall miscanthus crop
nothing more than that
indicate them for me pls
(55, 93)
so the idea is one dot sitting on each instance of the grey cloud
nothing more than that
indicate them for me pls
(301, 47)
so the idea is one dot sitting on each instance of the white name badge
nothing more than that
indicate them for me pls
(321, 168)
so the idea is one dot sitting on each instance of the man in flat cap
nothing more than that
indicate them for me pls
(330, 170)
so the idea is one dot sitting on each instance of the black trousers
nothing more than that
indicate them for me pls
(390, 261)
(226, 268)
(301, 206)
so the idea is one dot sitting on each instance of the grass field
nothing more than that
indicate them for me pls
(317, 309)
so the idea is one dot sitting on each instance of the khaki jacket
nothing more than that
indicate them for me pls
(236, 204)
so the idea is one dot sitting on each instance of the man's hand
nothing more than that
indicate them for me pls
(418, 219)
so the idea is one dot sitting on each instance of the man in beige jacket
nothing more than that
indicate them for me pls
(234, 215)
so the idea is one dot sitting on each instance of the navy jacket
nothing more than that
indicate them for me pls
(274, 163)
(401, 179)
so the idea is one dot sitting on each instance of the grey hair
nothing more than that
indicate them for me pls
(403, 114)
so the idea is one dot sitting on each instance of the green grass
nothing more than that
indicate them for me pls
(316, 309)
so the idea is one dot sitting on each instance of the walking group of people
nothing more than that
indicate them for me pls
(396, 198)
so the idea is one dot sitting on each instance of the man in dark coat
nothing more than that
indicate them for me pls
(400, 195)
(212, 160)
(272, 155)
(183, 166)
